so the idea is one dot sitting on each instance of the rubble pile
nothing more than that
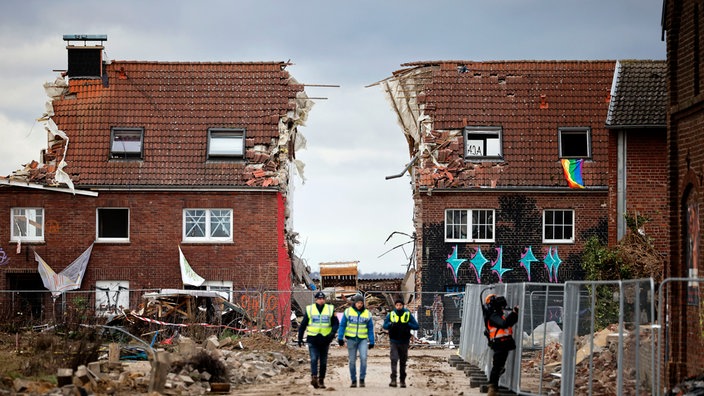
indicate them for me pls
(597, 375)
(234, 362)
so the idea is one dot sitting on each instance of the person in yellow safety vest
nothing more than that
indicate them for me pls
(357, 327)
(499, 331)
(321, 324)
(399, 323)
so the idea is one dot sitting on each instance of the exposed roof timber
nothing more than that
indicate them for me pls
(15, 183)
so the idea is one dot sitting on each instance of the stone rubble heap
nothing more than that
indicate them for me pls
(134, 377)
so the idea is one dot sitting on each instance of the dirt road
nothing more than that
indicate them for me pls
(429, 373)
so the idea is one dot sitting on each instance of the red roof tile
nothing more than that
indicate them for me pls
(175, 103)
(456, 94)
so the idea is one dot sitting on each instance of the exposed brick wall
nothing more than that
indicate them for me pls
(686, 166)
(518, 226)
(150, 259)
(646, 184)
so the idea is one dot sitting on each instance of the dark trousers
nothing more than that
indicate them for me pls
(318, 353)
(497, 365)
(399, 354)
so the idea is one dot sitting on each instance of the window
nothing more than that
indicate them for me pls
(482, 142)
(459, 222)
(206, 225)
(575, 143)
(27, 224)
(558, 225)
(223, 288)
(113, 225)
(225, 143)
(126, 143)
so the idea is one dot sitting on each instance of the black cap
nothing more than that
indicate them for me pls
(319, 295)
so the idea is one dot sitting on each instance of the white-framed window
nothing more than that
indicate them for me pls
(111, 297)
(558, 226)
(469, 225)
(482, 143)
(207, 225)
(575, 142)
(112, 225)
(27, 224)
(223, 288)
(226, 143)
(126, 143)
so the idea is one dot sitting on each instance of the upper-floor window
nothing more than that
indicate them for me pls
(207, 225)
(126, 143)
(469, 225)
(575, 142)
(113, 225)
(558, 226)
(27, 224)
(482, 142)
(225, 143)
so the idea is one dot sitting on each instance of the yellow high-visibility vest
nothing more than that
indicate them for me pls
(357, 323)
(319, 322)
(404, 318)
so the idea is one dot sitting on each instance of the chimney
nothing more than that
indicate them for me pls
(85, 61)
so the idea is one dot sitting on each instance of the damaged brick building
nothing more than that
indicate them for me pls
(146, 158)
(509, 167)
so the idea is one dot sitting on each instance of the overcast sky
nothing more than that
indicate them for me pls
(346, 209)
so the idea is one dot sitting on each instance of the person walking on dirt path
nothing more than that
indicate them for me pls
(499, 331)
(321, 324)
(357, 327)
(399, 323)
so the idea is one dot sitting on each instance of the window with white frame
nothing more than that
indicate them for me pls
(558, 226)
(482, 143)
(113, 224)
(223, 288)
(126, 143)
(207, 225)
(224, 143)
(27, 224)
(575, 142)
(469, 225)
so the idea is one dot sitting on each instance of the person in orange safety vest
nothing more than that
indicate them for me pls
(499, 331)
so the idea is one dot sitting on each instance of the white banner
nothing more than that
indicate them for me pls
(188, 276)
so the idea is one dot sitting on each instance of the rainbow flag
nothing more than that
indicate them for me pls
(572, 168)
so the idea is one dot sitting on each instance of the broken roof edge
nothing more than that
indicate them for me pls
(14, 183)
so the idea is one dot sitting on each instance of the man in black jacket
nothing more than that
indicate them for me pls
(399, 323)
(321, 324)
(499, 331)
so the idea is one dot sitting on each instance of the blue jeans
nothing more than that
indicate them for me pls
(318, 353)
(355, 345)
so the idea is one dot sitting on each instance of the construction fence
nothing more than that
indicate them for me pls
(589, 338)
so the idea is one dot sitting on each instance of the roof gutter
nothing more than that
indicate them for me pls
(14, 183)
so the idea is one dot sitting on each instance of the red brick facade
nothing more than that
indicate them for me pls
(151, 258)
(685, 58)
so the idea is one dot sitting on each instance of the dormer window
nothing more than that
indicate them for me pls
(575, 142)
(126, 143)
(482, 143)
(224, 143)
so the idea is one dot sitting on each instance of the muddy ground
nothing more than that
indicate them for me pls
(429, 373)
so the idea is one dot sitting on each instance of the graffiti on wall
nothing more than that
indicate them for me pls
(453, 263)
(4, 259)
(551, 262)
(497, 266)
(269, 309)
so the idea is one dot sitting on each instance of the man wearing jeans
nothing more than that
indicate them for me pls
(357, 327)
(321, 324)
